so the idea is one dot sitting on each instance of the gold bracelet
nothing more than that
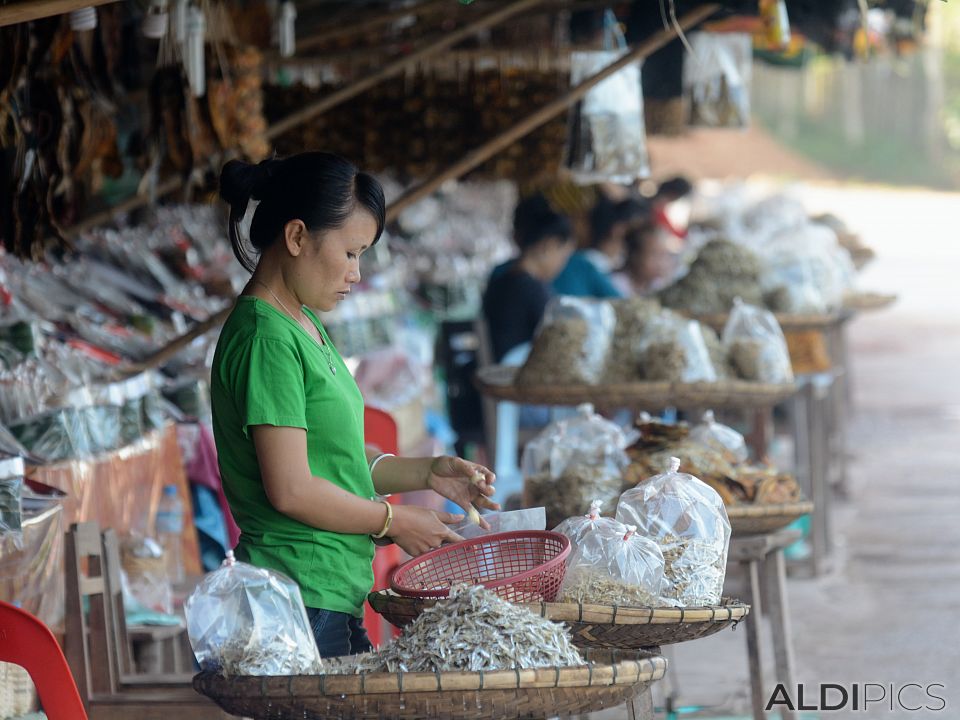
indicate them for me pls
(386, 523)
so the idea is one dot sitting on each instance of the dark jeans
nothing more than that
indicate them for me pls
(337, 633)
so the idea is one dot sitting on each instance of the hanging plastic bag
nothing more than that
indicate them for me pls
(687, 519)
(613, 565)
(607, 141)
(673, 349)
(245, 620)
(720, 437)
(756, 346)
(716, 79)
(574, 461)
(572, 344)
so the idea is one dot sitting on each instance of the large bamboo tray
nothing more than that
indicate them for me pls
(869, 301)
(789, 322)
(610, 679)
(599, 626)
(757, 519)
(496, 381)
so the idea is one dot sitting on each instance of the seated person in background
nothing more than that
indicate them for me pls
(669, 192)
(649, 264)
(518, 292)
(588, 271)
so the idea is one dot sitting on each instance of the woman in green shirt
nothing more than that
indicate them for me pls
(287, 414)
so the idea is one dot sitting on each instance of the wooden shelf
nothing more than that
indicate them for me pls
(26, 10)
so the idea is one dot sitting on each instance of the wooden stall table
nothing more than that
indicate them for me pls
(760, 559)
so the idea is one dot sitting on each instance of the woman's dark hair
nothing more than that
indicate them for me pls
(321, 189)
(534, 220)
(606, 213)
(675, 187)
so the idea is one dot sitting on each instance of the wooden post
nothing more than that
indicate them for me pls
(397, 66)
(544, 114)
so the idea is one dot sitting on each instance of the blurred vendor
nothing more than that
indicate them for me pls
(649, 264)
(588, 272)
(667, 207)
(518, 292)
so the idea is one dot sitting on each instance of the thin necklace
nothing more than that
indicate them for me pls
(320, 342)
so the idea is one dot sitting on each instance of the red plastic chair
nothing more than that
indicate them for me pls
(380, 430)
(27, 642)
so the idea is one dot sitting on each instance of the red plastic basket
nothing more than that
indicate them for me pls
(523, 566)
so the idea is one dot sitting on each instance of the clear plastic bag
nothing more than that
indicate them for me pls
(574, 461)
(509, 521)
(146, 573)
(579, 525)
(245, 620)
(687, 519)
(756, 346)
(613, 565)
(58, 434)
(720, 437)
(572, 344)
(608, 141)
(673, 349)
(11, 486)
(716, 79)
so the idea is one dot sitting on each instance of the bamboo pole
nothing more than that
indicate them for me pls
(396, 67)
(546, 113)
(27, 10)
(312, 41)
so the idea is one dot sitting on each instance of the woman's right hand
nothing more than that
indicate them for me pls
(418, 530)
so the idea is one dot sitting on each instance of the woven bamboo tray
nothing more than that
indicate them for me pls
(789, 322)
(611, 679)
(496, 381)
(868, 301)
(599, 626)
(756, 519)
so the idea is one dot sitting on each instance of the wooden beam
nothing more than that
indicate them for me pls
(546, 113)
(27, 10)
(396, 67)
(312, 41)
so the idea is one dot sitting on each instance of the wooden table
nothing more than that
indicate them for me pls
(760, 559)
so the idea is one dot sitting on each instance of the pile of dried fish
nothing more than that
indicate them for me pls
(718, 353)
(757, 359)
(665, 361)
(693, 570)
(633, 314)
(722, 271)
(567, 495)
(558, 355)
(597, 586)
(474, 630)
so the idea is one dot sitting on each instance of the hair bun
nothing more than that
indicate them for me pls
(241, 182)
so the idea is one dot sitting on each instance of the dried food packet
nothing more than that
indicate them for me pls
(720, 437)
(756, 345)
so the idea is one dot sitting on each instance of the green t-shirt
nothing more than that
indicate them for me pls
(268, 370)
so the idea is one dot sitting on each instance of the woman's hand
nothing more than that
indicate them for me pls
(465, 483)
(418, 530)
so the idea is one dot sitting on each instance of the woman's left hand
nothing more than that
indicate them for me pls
(463, 482)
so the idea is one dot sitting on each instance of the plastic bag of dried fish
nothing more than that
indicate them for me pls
(720, 437)
(716, 79)
(571, 345)
(613, 565)
(245, 620)
(574, 461)
(688, 521)
(673, 349)
(608, 141)
(474, 630)
(757, 347)
(579, 525)
(624, 362)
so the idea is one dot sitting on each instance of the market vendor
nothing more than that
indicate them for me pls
(287, 414)
(649, 265)
(588, 272)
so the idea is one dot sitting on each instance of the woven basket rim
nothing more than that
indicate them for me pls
(491, 539)
(623, 672)
(728, 609)
(801, 507)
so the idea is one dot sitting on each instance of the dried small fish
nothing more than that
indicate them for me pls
(558, 356)
(693, 570)
(567, 495)
(471, 630)
(598, 587)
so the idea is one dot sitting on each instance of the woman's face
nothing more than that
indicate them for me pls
(329, 265)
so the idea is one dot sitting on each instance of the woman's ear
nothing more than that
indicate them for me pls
(295, 236)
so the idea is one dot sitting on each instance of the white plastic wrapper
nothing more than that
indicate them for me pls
(687, 519)
(722, 438)
(509, 521)
(572, 343)
(608, 141)
(716, 79)
(673, 348)
(245, 620)
(756, 346)
(573, 462)
(613, 565)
